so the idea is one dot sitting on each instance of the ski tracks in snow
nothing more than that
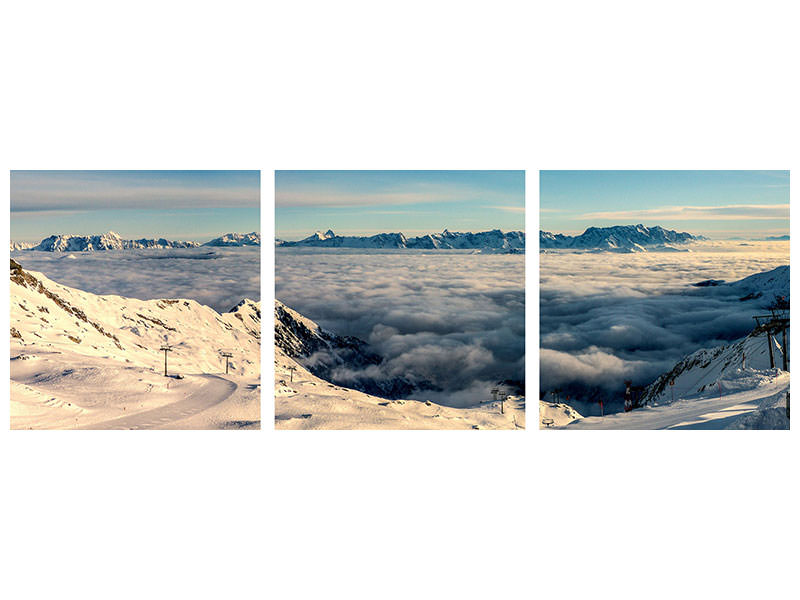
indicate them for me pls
(214, 391)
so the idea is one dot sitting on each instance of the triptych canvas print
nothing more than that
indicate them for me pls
(400, 298)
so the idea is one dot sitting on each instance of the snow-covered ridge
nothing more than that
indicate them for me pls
(620, 238)
(106, 241)
(21, 245)
(448, 240)
(769, 285)
(697, 371)
(52, 318)
(112, 241)
(236, 239)
(85, 361)
(344, 360)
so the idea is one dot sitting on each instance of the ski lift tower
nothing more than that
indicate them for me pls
(165, 347)
(227, 355)
(773, 323)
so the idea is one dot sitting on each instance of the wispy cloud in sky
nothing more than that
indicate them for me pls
(516, 209)
(710, 203)
(91, 190)
(733, 212)
(194, 205)
(378, 201)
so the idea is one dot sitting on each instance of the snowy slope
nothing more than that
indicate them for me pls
(711, 389)
(495, 239)
(236, 239)
(552, 414)
(734, 385)
(305, 401)
(620, 238)
(80, 359)
(769, 284)
(749, 400)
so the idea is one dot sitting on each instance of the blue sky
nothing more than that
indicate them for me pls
(411, 202)
(188, 205)
(717, 204)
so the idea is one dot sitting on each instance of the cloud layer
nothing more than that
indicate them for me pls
(455, 319)
(219, 278)
(605, 317)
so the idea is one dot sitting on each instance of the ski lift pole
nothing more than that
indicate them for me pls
(227, 355)
(785, 354)
(166, 348)
(769, 345)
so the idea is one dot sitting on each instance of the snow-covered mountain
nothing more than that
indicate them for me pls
(306, 400)
(21, 245)
(344, 360)
(106, 241)
(236, 239)
(730, 386)
(619, 238)
(77, 359)
(769, 285)
(495, 239)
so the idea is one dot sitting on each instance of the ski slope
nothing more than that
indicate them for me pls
(304, 401)
(212, 391)
(84, 361)
(756, 398)
(556, 414)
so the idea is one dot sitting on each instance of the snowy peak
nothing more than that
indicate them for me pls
(494, 240)
(249, 313)
(21, 245)
(619, 238)
(236, 239)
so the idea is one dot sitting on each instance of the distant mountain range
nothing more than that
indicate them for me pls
(620, 238)
(236, 239)
(495, 239)
(112, 241)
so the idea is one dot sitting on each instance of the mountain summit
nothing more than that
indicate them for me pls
(105, 241)
(619, 238)
(236, 239)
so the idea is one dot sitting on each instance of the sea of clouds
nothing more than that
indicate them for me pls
(607, 317)
(451, 318)
(217, 277)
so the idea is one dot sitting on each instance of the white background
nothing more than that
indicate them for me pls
(438, 85)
